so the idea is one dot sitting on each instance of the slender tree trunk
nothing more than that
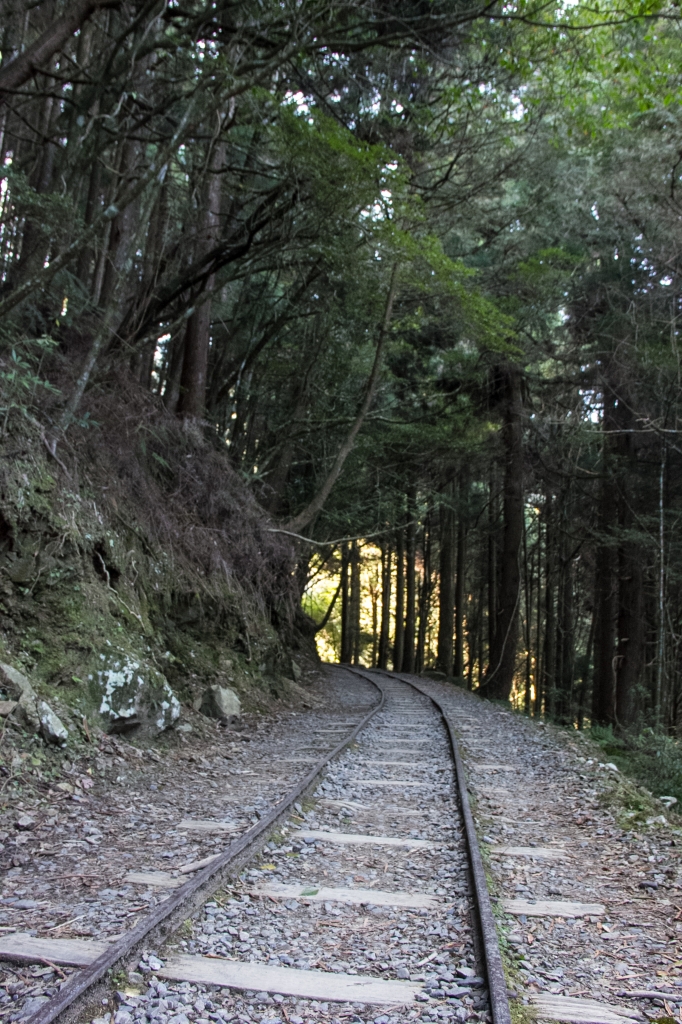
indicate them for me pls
(424, 602)
(660, 641)
(631, 612)
(386, 579)
(458, 668)
(549, 653)
(355, 602)
(528, 618)
(565, 641)
(346, 630)
(410, 593)
(399, 633)
(582, 699)
(492, 561)
(500, 676)
(446, 606)
(198, 331)
(606, 590)
(36, 56)
(631, 632)
(539, 659)
(374, 596)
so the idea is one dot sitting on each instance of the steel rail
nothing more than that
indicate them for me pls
(485, 923)
(157, 926)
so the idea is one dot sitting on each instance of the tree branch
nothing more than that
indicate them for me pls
(310, 511)
(38, 54)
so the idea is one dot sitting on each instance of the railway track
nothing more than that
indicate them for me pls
(366, 902)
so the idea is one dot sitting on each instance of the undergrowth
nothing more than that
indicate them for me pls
(653, 759)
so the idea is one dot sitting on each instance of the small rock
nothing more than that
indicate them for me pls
(25, 904)
(122, 1017)
(24, 822)
(37, 715)
(32, 1006)
(402, 972)
(221, 702)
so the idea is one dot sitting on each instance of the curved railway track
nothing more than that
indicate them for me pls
(377, 880)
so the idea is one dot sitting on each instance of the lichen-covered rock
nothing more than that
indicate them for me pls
(221, 702)
(35, 712)
(51, 726)
(134, 695)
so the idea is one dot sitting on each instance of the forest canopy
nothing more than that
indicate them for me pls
(408, 274)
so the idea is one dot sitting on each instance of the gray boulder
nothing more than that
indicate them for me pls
(35, 713)
(221, 702)
(133, 695)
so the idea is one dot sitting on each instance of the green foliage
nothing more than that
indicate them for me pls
(652, 758)
(21, 384)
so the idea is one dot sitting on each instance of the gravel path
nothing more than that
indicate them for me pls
(535, 788)
(76, 826)
(406, 747)
(538, 786)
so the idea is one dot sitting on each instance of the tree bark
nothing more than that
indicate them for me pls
(355, 601)
(410, 593)
(39, 53)
(424, 602)
(386, 580)
(198, 331)
(500, 675)
(399, 632)
(565, 662)
(606, 591)
(446, 604)
(346, 630)
(549, 652)
(458, 667)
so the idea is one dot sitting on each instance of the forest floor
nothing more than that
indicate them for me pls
(69, 844)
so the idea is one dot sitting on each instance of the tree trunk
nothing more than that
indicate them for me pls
(500, 676)
(34, 58)
(539, 660)
(374, 597)
(549, 652)
(458, 667)
(346, 630)
(631, 632)
(198, 331)
(565, 660)
(424, 602)
(355, 602)
(399, 633)
(386, 573)
(446, 606)
(410, 594)
(605, 610)
(492, 562)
